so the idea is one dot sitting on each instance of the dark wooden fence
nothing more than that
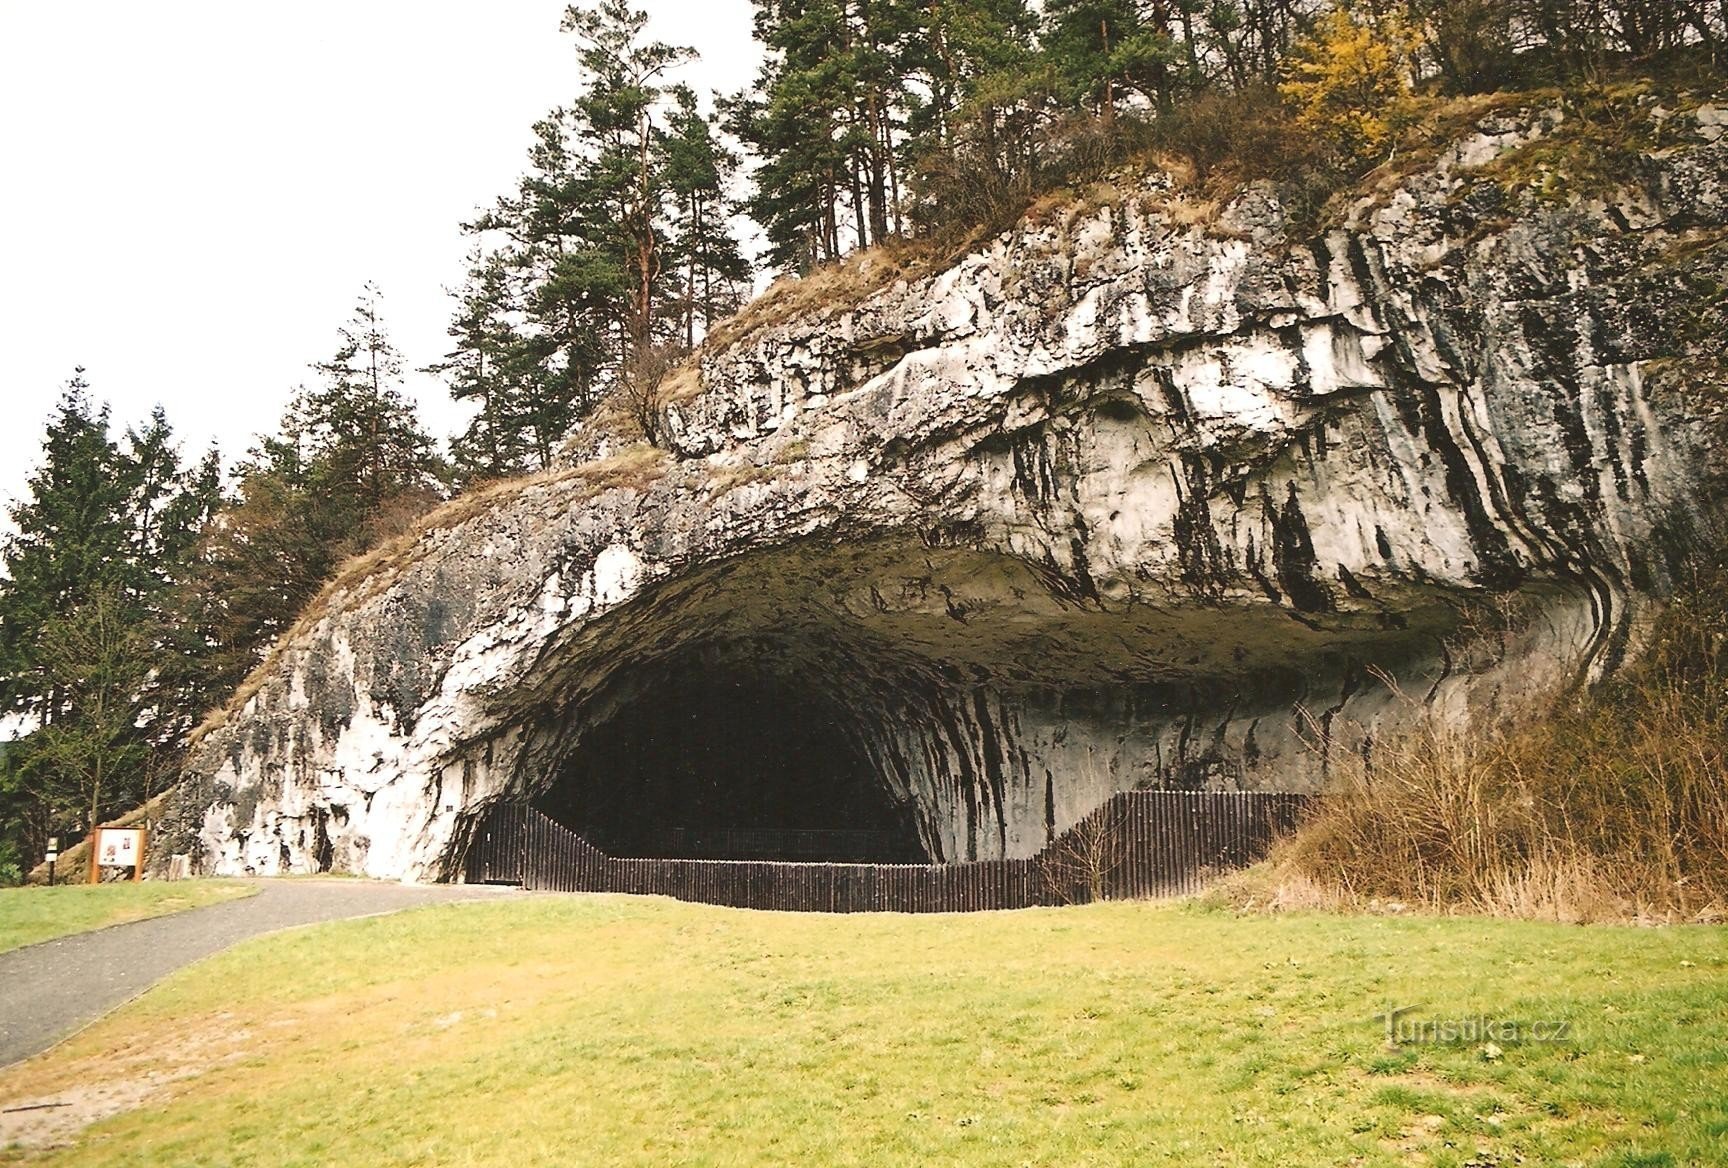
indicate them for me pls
(1139, 843)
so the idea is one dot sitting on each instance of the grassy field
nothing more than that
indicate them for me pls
(616, 1031)
(29, 915)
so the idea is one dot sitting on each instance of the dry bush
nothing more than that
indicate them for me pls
(1078, 865)
(834, 287)
(1612, 806)
(959, 187)
(682, 382)
(645, 390)
(1210, 145)
(1272, 888)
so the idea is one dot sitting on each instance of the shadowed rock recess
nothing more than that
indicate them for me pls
(1120, 500)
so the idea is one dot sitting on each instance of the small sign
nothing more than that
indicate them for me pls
(119, 847)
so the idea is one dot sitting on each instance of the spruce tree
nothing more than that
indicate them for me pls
(367, 440)
(348, 467)
(88, 758)
(72, 540)
(266, 553)
(91, 662)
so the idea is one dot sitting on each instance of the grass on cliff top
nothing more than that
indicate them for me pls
(561, 1030)
(362, 577)
(1220, 143)
(29, 915)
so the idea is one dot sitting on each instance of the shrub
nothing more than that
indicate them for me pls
(1614, 804)
(1470, 43)
(1351, 83)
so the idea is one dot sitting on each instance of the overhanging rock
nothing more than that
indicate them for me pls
(1117, 501)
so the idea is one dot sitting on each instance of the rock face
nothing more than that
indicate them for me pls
(1123, 499)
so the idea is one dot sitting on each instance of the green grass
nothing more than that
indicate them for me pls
(617, 1031)
(29, 915)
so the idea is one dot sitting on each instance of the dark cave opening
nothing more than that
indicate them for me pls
(718, 761)
(872, 704)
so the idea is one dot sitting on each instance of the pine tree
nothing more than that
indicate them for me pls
(827, 118)
(795, 187)
(613, 246)
(485, 368)
(618, 118)
(974, 142)
(856, 96)
(572, 279)
(1083, 38)
(712, 273)
(962, 52)
(551, 296)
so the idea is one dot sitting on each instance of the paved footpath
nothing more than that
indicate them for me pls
(50, 990)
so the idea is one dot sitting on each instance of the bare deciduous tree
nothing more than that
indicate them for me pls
(642, 389)
(1079, 863)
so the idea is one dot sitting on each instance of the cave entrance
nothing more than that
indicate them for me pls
(717, 761)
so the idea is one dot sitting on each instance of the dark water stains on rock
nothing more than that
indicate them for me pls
(962, 560)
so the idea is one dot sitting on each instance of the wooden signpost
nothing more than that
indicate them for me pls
(117, 847)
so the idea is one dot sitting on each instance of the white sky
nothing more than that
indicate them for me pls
(193, 191)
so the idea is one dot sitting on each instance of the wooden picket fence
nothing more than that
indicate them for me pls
(1137, 844)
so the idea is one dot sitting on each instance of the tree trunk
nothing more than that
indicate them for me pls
(876, 167)
(1108, 109)
(693, 242)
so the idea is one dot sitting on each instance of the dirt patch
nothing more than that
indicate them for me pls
(133, 1078)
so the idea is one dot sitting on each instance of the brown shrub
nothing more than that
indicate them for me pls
(646, 390)
(1613, 805)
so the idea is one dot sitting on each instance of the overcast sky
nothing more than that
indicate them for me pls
(193, 191)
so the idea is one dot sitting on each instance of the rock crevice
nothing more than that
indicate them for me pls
(1116, 501)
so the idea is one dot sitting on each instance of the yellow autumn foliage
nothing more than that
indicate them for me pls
(1350, 82)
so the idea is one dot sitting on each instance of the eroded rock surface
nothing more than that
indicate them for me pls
(1120, 500)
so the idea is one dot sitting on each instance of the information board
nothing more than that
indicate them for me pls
(119, 847)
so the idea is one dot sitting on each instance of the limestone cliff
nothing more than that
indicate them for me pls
(1132, 496)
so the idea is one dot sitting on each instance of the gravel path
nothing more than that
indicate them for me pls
(50, 990)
